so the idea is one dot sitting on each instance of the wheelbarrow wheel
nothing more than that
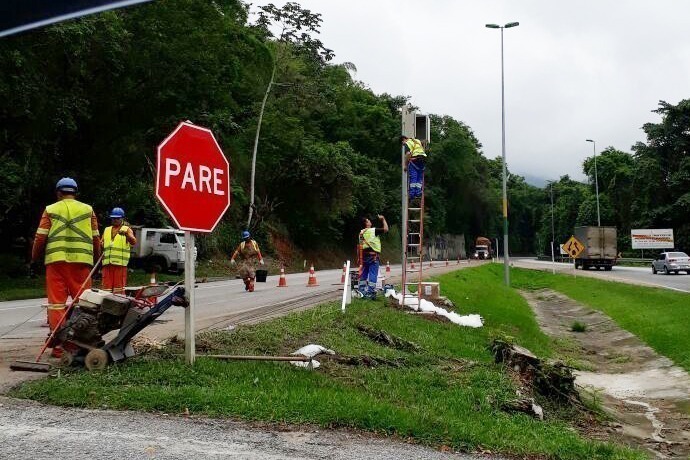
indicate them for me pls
(96, 360)
(67, 359)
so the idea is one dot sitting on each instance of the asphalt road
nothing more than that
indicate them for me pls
(218, 305)
(632, 275)
(31, 430)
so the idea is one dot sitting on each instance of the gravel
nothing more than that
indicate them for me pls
(29, 430)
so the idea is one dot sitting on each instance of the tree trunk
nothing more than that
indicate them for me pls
(256, 144)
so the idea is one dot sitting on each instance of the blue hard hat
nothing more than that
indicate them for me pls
(66, 184)
(117, 213)
(245, 234)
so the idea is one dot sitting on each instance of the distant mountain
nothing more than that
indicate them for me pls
(537, 181)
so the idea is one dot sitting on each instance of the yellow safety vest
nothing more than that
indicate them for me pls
(416, 147)
(368, 239)
(70, 238)
(116, 252)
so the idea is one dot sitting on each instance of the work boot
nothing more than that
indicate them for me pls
(246, 284)
(251, 285)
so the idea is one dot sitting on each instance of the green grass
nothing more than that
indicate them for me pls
(449, 393)
(657, 316)
(578, 327)
(32, 288)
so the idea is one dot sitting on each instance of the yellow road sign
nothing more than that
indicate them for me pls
(573, 247)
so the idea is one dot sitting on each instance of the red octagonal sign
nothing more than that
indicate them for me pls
(193, 178)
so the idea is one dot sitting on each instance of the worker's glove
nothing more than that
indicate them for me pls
(232, 262)
(33, 268)
(261, 261)
(122, 232)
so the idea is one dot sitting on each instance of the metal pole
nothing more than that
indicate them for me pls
(553, 259)
(189, 344)
(506, 256)
(596, 182)
(404, 226)
(596, 179)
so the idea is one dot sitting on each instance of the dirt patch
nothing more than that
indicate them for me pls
(642, 391)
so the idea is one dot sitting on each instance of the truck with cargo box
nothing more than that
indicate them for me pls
(601, 247)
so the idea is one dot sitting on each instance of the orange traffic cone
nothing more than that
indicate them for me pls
(342, 278)
(388, 268)
(282, 281)
(312, 277)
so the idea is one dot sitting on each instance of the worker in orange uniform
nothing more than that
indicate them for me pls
(116, 244)
(68, 236)
(248, 250)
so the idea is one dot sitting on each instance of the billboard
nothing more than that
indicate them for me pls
(654, 238)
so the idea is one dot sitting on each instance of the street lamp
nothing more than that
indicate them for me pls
(596, 179)
(553, 259)
(506, 257)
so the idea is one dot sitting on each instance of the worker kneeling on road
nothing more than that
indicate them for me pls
(116, 244)
(248, 250)
(68, 234)
(369, 256)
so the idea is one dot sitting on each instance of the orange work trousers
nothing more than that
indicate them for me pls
(63, 280)
(114, 278)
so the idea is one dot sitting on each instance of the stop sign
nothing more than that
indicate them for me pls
(193, 178)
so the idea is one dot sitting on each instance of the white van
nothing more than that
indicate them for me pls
(159, 249)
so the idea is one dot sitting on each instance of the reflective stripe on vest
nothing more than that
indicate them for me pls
(70, 238)
(119, 253)
(416, 147)
(369, 240)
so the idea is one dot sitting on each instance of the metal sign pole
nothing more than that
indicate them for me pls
(189, 344)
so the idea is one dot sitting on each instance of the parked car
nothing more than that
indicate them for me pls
(671, 262)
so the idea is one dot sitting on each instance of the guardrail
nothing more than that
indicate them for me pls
(621, 260)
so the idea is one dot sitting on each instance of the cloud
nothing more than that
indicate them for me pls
(573, 71)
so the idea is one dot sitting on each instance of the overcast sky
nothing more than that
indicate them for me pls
(574, 70)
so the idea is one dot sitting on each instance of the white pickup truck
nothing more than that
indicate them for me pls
(159, 249)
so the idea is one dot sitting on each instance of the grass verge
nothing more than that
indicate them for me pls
(657, 316)
(447, 393)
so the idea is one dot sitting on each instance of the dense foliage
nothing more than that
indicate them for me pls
(648, 188)
(91, 98)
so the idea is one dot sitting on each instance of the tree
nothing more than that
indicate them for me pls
(297, 26)
(662, 172)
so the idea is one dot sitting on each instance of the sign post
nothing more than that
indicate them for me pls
(189, 278)
(193, 185)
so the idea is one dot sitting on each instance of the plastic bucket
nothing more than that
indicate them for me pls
(261, 276)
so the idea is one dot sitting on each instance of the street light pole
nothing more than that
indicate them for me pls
(596, 179)
(506, 257)
(553, 259)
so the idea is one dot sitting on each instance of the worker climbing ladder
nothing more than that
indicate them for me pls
(413, 250)
(412, 215)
